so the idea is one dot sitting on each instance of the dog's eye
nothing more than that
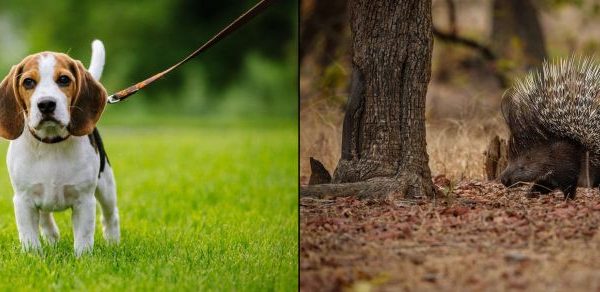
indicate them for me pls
(63, 80)
(28, 83)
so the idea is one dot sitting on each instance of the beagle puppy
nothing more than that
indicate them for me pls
(49, 107)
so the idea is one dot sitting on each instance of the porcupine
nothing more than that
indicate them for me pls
(553, 116)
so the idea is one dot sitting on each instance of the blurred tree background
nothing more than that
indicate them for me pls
(251, 73)
(480, 47)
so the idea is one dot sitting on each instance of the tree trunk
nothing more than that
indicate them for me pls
(383, 137)
(496, 158)
(517, 33)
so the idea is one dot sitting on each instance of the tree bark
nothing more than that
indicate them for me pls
(377, 188)
(318, 173)
(383, 139)
(496, 158)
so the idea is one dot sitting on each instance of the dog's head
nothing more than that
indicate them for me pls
(52, 95)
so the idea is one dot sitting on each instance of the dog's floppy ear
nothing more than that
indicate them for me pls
(12, 120)
(88, 103)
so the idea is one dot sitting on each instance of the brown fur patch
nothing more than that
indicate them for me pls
(88, 105)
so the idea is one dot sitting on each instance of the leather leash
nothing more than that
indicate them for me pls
(240, 21)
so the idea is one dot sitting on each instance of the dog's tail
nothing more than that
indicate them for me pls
(97, 62)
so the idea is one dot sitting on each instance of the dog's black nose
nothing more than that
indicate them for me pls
(46, 106)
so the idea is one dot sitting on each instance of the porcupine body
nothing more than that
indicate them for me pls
(553, 116)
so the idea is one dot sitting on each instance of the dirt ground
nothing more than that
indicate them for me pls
(478, 237)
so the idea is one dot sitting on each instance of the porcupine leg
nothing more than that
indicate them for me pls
(568, 185)
(570, 192)
(562, 175)
(566, 182)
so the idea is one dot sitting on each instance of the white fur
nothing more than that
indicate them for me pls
(97, 63)
(48, 90)
(53, 177)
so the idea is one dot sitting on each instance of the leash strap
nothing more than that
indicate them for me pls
(240, 21)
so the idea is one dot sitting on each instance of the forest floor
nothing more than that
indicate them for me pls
(479, 237)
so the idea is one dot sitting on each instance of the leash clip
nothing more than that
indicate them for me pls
(113, 99)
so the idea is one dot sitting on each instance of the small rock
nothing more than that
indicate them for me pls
(361, 286)
(515, 257)
(347, 212)
(416, 259)
(430, 277)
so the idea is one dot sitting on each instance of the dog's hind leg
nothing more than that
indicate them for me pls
(49, 229)
(106, 194)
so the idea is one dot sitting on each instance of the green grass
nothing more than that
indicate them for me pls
(204, 206)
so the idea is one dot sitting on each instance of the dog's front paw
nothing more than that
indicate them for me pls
(83, 249)
(84, 245)
(31, 246)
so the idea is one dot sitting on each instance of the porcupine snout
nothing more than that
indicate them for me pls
(516, 172)
(505, 180)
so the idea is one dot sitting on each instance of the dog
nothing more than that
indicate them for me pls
(49, 107)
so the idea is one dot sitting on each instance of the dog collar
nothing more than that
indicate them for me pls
(52, 140)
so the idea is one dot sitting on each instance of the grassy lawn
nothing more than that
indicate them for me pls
(204, 206)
